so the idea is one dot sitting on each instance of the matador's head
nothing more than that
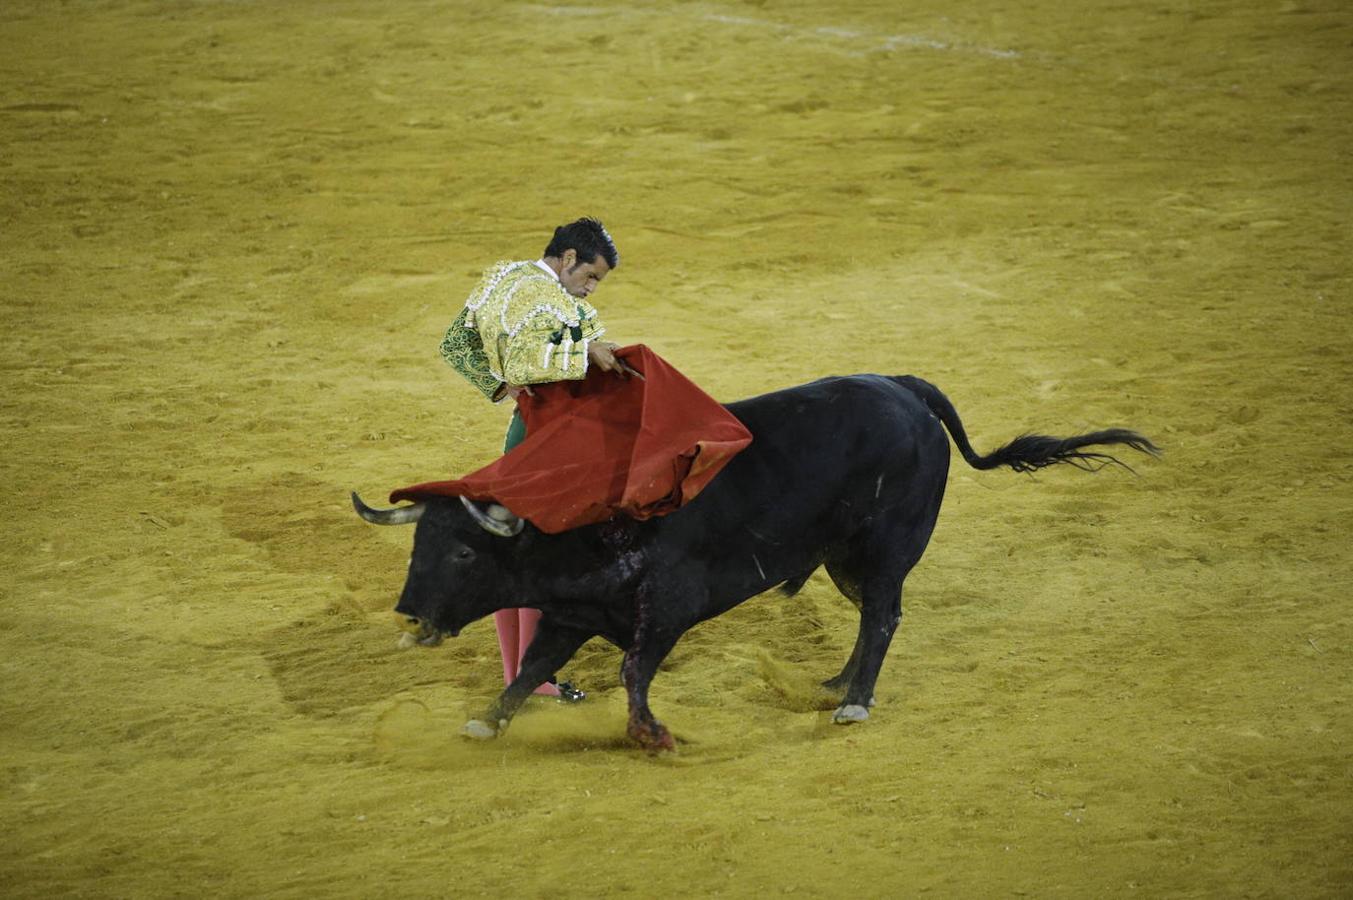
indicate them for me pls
(581, 254)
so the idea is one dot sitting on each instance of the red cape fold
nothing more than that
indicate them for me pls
(605, 445)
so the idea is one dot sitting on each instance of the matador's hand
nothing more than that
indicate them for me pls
(513, 391)
(602, 355)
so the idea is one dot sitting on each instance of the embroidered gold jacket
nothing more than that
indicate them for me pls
(520, 327)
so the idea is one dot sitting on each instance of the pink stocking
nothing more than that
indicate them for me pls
(508, 641)
(526, 625)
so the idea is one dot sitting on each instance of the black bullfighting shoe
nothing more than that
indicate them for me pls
(570, 694)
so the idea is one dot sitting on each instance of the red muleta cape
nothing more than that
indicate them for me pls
(605, 445)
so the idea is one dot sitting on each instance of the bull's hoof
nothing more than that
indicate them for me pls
(852, 713)
(653, 737)
(479, 730)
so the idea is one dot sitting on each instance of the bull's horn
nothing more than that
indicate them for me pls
(400, 515)
(498, 520)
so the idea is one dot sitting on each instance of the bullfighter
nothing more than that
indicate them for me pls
(530, 322)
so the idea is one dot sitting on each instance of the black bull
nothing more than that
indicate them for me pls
(843, 472)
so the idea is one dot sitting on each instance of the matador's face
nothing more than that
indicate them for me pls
(581, 279)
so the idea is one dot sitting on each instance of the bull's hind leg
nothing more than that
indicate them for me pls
(837, 684)
(850, 589)
(870, 572)
(880, 613)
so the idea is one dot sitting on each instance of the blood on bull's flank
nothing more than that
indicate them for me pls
(851, 481)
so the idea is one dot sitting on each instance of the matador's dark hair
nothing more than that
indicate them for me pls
(588, 238)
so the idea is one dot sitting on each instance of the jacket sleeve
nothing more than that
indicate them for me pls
(546, 349)
(464, 351)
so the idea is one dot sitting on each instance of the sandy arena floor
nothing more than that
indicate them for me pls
(233, 234)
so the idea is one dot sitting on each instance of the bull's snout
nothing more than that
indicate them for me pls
(419, 631)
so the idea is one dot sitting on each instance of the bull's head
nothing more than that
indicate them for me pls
(462, 564)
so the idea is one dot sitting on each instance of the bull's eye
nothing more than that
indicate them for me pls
(464, 554)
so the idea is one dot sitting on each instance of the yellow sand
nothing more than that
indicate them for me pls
(232, 233)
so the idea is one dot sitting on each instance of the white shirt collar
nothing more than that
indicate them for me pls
(551, 272)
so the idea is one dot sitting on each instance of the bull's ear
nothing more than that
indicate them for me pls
(399, 515)
(498, 520)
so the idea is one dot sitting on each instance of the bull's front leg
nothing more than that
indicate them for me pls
(551, 649)
(650, 648)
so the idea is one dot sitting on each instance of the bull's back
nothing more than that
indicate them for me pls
(820, 453)
(849, 422)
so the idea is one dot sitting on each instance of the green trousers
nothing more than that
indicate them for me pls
(516, 432)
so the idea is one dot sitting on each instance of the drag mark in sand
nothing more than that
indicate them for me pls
(873, 42)
(883, 43)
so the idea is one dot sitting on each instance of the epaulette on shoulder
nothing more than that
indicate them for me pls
(493, 276)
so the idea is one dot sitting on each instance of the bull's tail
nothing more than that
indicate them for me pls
(1029, 452)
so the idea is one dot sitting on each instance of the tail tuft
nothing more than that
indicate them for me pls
(1030, 452)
